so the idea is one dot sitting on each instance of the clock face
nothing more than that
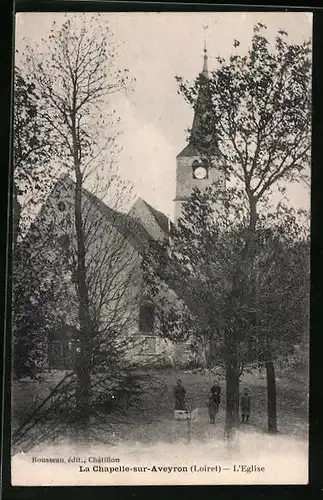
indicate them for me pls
(200, 173)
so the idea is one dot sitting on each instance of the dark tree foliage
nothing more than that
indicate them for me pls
(32, 151)
(33, 294)
(39, 299)
(197, 286)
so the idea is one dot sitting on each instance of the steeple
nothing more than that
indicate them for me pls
(191, 169)
(201, 97)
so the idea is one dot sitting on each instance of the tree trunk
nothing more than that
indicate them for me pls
(210, 353)
(83, 366)
(232, 363)
(253, 215)
(232, 397)
(83, 392)
(271, 397)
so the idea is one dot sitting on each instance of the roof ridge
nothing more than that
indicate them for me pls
(157, 214)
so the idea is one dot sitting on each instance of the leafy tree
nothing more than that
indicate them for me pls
(201, 268)
(279, 287)
(32, 175)
(40, 299)
(32, 153)
(255, 127)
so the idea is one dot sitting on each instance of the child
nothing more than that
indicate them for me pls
(179, 396)
(216, 391)
(245, 405)
(213, 404)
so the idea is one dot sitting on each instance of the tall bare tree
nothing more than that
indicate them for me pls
(75, 73)
(114, 243)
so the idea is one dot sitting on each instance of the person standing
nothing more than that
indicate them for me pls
(216, 394)
(245, 405)
(179, 396)
(213, 408)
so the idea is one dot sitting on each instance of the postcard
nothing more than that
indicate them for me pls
(160, 281)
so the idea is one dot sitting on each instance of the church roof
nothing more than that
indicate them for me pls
(130, 228)
(139, 227)
(142, 223)
(155, 221)
(189, 150)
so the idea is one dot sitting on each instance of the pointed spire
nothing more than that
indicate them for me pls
(205, 70)
(204, 76)
(201, 93)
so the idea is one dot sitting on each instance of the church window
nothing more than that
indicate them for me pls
(146, 318)
(61, 206)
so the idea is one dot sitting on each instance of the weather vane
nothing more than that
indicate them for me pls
(205, 27)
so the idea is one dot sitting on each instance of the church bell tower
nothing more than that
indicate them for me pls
(190, 171)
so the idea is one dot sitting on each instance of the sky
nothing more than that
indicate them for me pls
(155, 47)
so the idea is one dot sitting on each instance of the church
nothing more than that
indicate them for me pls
(115, 245)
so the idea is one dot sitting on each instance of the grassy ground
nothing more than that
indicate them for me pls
(153, 420)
